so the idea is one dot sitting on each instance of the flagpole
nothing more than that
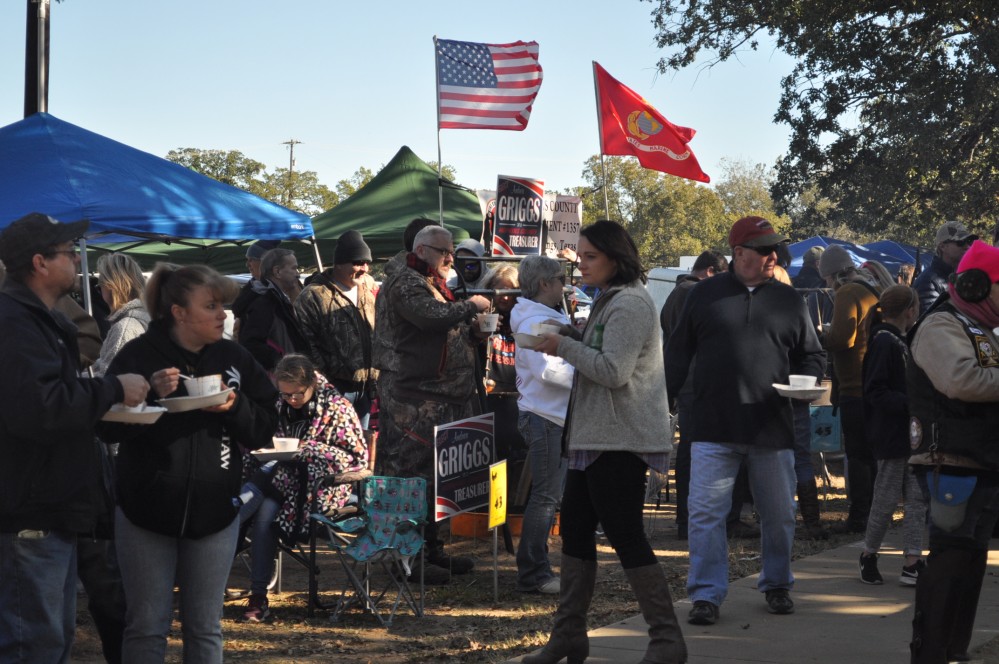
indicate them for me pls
(440, 163)
(600, 141)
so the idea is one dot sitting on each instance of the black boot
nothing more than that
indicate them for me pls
(454, 564)
(808, 505)
(568, 638)
(666, 645)
(943, 591)
(860, 478)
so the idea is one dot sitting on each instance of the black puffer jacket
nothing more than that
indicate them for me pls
(269, 328)
(932, 283)
(49, 474)
(886, 406)
(178, 477)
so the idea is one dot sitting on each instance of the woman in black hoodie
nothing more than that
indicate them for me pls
(886, 415)
(178, 479)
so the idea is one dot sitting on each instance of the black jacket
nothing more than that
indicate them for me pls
(745, 341)
(808, 277)
(886, 406)
(269, 329)
(932, 283)
(49, 474)
(178, 477)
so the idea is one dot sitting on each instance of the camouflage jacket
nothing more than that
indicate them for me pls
(422, 338)
(339, 333)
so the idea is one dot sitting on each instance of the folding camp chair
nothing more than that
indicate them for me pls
(337, 515)
(375, 548)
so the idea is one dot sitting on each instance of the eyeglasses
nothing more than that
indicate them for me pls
(444, 252)
(72, 253)
(470, 266)
(966, 242)
(762, 251)
(288, 396)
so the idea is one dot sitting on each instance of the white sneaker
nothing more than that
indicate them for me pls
(551, 586)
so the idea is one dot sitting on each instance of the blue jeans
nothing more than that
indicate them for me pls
(714, 467)
(544, 453)
(37, 596)
(150, 566)
(263, 536)
(804, 469)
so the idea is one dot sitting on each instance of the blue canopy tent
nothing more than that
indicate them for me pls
(129, 196)
(892, 257)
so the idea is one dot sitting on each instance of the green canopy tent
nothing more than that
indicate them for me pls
(406, 188)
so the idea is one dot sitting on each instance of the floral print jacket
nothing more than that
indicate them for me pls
(332, 442)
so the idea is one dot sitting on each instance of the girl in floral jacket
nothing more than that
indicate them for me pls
(279, 494)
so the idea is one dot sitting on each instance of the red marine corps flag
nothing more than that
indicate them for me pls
(486, 86)
(630, 126)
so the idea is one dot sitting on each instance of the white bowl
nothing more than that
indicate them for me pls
(202, 386)
(285, 444)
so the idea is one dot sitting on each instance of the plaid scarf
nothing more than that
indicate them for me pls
(416, 263)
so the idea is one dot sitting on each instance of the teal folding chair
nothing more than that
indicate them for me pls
(376, 547)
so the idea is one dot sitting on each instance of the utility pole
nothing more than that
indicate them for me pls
(36, 57)
(291, 166)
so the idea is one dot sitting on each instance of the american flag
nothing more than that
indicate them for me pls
(486, 86)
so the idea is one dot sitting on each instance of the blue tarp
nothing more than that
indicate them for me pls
(890, 254)
(56, 168)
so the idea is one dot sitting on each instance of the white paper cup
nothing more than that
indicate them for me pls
(537, 329)
(488, 322)
(285, 444)
(798, 382)
(202, 386)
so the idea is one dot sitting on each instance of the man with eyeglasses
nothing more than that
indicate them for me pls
(425, 352)
(748, 332)
(952, 240)
(336, 312)
(50, 466)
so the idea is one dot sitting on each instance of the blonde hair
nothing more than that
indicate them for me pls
(506, 271)
(879, 273)
(780, 274)
(172, 284)
(120, 276)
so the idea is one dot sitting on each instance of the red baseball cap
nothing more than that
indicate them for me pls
(754, 232)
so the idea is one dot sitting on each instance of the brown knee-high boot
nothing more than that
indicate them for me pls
(568, 638)
(666, 644)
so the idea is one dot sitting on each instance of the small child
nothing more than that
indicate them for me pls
(887, 428)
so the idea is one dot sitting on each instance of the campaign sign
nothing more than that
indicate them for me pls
(518, 216)
(563, 218)
(463, 452)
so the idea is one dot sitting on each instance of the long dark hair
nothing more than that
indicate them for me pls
(611, 238)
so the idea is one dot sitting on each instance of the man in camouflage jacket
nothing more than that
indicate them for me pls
(425, 351)
(336, 313)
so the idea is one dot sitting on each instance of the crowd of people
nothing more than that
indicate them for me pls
(138, 513)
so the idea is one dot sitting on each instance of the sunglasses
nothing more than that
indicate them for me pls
(762, 251)
(966, 242)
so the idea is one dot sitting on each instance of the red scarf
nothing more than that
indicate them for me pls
(983, 312)
(440, 283)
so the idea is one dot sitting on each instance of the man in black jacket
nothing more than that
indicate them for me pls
(748, 332)
(49, 473)
(952, 240)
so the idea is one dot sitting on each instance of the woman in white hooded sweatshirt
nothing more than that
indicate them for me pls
(544, 383)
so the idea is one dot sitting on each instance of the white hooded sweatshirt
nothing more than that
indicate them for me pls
(543, 381)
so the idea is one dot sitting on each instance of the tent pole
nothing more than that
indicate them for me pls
(319, 260)
(85, 277)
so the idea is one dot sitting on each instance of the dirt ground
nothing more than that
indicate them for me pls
(464, 622)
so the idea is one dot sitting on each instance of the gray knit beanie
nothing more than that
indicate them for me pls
(833, 260)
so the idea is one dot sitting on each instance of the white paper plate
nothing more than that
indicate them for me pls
(182, 404)
(273, 455)
(807, 394)
(525, 340)
(119, 413)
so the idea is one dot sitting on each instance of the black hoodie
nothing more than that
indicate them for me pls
(178, 477)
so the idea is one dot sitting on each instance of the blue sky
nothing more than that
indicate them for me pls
(355, 81)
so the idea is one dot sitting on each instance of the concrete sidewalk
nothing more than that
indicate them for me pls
(837, 618)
